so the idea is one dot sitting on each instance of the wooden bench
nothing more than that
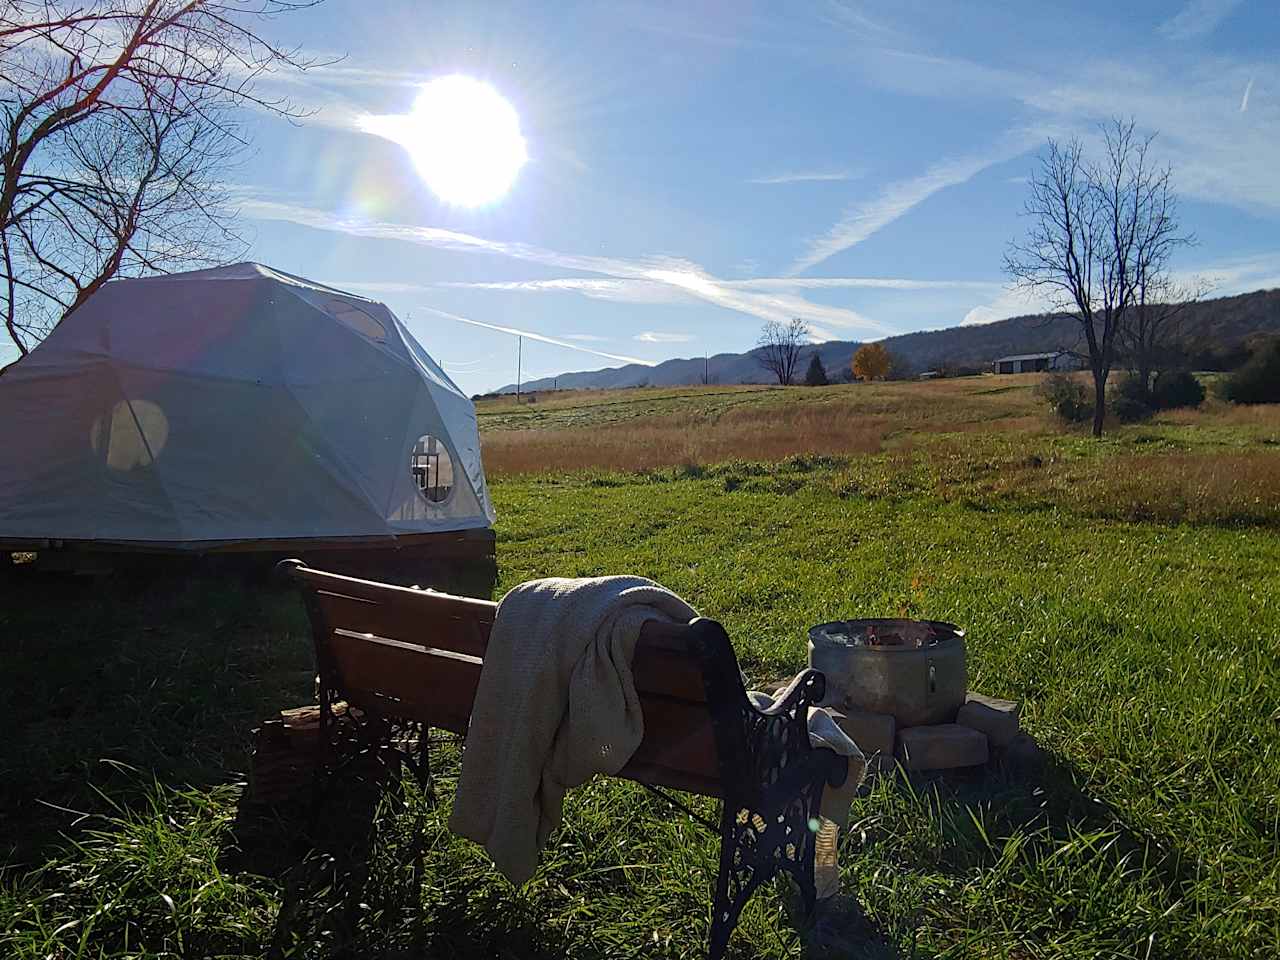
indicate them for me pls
(405, 660)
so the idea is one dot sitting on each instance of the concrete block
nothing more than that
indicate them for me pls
(941, 746)
(872, 732)
(998, 719)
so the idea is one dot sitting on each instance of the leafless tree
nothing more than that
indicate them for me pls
(118, 119)
(1097, 228)
(778, 349)
(1151, 337)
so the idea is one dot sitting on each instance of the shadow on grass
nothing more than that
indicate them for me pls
(1026, 854)
(166, 675)
(353, 881)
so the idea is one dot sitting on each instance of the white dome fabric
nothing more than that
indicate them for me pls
(230, 405)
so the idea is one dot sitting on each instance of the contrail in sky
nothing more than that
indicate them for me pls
(538, 336)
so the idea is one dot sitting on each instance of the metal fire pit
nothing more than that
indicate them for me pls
(912, 669)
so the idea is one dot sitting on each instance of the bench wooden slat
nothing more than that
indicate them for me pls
(661, 666)
(432, 686)
(438, 687)
(456, 627)
(678, 739)
(424, 600)
(418, 655)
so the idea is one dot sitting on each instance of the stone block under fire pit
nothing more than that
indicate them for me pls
(998, 719)
(874, 733)
(941, 746)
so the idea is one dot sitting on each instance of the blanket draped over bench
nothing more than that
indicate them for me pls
(397, 661)
(556, 704)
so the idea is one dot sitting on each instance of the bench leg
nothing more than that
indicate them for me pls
(772, 780)
(758, 844)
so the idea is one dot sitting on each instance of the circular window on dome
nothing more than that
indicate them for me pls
(131, 435)
(432, 468)
(357, 319)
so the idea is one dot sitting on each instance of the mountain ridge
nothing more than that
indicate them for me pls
(1223, 323)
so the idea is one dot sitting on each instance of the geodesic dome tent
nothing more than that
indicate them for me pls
(234, 405)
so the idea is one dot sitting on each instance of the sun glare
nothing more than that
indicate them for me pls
(463, 137)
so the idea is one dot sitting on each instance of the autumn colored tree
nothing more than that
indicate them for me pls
(871, 362)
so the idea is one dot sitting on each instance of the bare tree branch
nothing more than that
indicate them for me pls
(1101, 235)
(118, 119)
(779, 348)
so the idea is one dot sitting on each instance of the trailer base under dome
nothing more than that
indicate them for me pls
(462, 562)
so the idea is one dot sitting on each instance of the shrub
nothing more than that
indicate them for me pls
(1258, 381)
(1067, 396)
(1176, 388)
(1129, 402)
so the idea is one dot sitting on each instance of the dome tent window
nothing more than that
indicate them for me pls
(358, 319)
(432, 468)
(132, 435)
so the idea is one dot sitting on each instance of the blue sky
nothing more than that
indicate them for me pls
(698, 168)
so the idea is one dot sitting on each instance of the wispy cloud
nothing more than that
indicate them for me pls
(627, 291)
(541, 338)
(864, 219)
(658, 336)
(872, 283)
(1197, 18)
(1011, 301)
(585, 337)
(1240, 275)
(809, 176)
(1244, 101)
(669, 291)
(851, 16)
(680, 277)
(1177, 91)
(1216, 154)
(376, 286)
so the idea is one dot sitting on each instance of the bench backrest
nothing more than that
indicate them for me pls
(417, 655)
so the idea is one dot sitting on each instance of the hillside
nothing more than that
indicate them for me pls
(1222, 323)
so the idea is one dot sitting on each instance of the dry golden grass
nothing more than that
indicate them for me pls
(651, 428)
(1212, 487)
(1230, 489)
(1263, 416)
(984, 439)
(767, 433)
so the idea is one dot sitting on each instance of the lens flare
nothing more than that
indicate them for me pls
(463, 137)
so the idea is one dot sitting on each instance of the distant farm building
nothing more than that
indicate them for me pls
(1036, 362)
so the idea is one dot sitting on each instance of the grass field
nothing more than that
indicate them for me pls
(1128, 591)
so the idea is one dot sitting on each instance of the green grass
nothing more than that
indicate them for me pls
(1146, 649)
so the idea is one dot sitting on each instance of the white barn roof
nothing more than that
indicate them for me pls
(233, 404)
(1029, 356)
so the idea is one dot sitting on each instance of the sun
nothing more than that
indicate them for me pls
(463, 137)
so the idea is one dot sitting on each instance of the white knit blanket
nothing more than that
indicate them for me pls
(556, 704)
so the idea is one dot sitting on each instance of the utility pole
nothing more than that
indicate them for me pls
(519, 364)
(706, 369)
